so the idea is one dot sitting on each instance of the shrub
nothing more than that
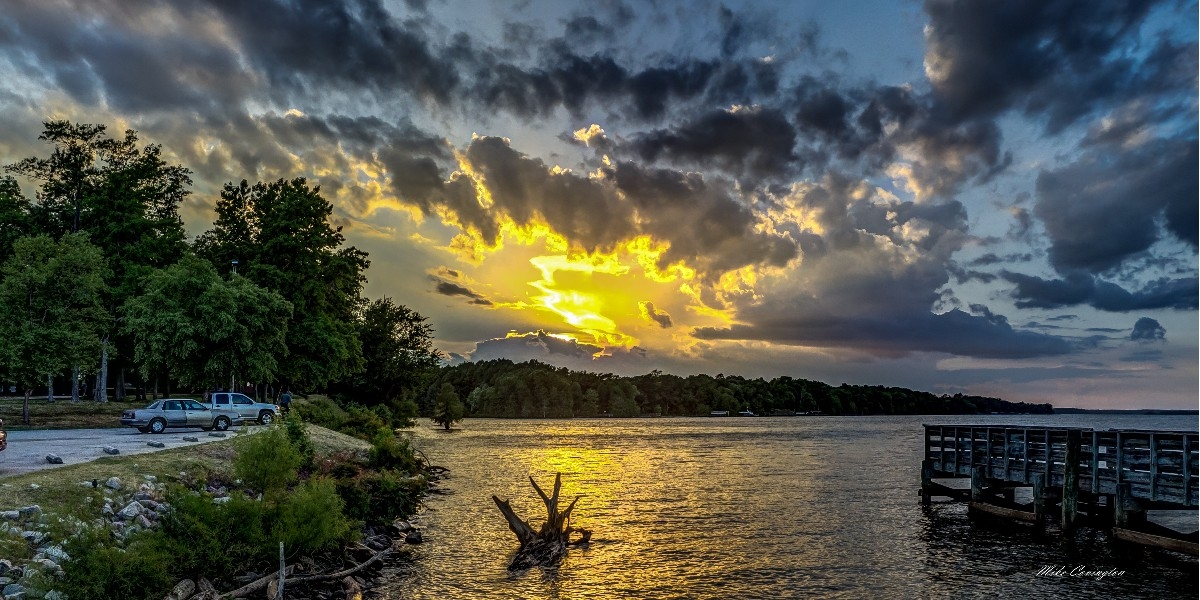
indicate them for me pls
(266, 461)
(208, 539)
(404, 412)
(364, 424)
(312, 519)
(380, 497)
(321, 411)
(389, 452)
(100, 570)
(297, 433)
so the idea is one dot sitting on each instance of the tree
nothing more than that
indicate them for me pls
(15, 219)
(281, 237)
(50, 313)
(398, 354)
(125, 196)
(201, 328)
(448, 409)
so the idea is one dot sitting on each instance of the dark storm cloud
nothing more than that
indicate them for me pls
(304, 53)
(1106, 206)
(1058, 58)
(1082, 288)
(533, 346)
(756, 142)
(652, 314)
(864, 128)
(572, 81)
(112, 53)
(704, 222)
(526, 190)
(1148, 330)
(954, 332)
(992, 259)
(447, 288)
(306, 44)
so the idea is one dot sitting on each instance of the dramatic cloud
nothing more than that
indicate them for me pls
(1106, 207)
(624, 173)
(954, 332)
(1056, 58)
(652, 314)
(533, 346)
(753, 141)
(1147, 330)
(1081, 288)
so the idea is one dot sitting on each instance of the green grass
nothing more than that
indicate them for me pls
(64, 414)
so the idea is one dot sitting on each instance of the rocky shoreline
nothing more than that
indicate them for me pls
(126, 509)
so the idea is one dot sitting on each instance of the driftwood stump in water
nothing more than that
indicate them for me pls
(547, 545)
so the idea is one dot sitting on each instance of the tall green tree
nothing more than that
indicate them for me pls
(50, 312)
(16, 220)
(201, 329)
(398, 353)
(125, 196)
(448, 409)
(280, 234)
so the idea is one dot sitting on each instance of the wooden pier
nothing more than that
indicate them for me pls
(1106, 478)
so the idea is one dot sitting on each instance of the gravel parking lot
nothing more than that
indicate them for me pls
(27, 450)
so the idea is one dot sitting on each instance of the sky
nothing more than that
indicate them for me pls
(993, 198)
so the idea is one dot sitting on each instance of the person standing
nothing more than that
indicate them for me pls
(285, 401)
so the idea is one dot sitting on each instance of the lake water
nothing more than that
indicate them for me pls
(794, 507)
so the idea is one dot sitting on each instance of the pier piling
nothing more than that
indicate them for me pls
(1114, 476)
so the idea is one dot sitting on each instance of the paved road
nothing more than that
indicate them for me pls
(27, 450)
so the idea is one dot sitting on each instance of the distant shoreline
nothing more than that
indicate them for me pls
(1127, 411)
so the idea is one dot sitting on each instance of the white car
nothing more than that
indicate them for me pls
(178, 412)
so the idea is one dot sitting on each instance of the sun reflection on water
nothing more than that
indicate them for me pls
(720, 508)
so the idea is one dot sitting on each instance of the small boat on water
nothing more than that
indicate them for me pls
(719, 413)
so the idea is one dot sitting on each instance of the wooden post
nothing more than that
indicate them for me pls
(282, 574)
(1039, 497)
(1187, 470)
(926, 480)
(1070, 493)
(977, 483)
(1126, 511)
(1153, 468)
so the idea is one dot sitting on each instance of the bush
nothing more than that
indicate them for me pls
(100, 570)
(364, 424)
(208, 539)
(321, 411)
(389, 452)
(312, 518)
(266, 461)
(380, 497)
(297, 433)
(404, 412)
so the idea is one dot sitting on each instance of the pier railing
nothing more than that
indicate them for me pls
(1160, 467)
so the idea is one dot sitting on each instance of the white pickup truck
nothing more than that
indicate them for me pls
(245, 407)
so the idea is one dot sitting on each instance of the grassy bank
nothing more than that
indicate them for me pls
(62, 413)
(132, 526)
(60, 490)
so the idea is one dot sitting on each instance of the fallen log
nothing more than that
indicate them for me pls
(262, 583)
(545, 546)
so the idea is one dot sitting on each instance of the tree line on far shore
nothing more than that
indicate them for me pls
(501, 388)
